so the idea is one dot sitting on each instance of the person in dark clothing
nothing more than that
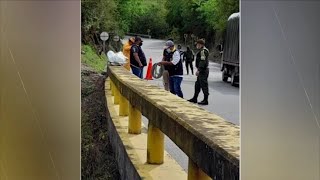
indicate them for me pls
(143, 59)
(136, 57)
(202, 64)
(188, 57)
(179, 48)
(173, 64)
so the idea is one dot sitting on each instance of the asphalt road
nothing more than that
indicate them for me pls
(223, 99)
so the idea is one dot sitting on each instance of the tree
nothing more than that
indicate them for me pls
(163, 18)
(216, 12)
(138, 16)
(97, 15)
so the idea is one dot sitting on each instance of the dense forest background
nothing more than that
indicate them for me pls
(158, 18)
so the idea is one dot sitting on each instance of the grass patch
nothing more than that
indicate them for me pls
(91, 59)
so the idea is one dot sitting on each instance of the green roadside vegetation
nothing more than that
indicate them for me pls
(159, 18)
(90, 58)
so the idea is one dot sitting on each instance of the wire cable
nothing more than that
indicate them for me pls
(157, 71)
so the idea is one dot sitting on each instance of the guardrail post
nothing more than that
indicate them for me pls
(116, 94)
(195, 173)
(124, 107)
(155, 145)
(134, 126)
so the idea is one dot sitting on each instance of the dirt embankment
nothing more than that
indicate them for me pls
(97, 160)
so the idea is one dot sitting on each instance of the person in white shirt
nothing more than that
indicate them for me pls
(174, 66)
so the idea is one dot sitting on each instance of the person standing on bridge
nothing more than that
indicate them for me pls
(143, 59)
(165, 74)
(180, 51)
(135, 60)
(202, 64)
(126, 52)
(173, 64)
(188, 57)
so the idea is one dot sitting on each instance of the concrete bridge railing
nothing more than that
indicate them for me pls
(211, 143)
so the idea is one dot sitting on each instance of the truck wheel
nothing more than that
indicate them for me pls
(234, 80)
(224, 76)
(233, 83)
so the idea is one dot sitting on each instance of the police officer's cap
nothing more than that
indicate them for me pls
(201, 41)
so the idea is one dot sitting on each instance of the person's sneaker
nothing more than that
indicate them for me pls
(203, 102)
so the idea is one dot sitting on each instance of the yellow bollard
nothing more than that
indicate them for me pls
(134, 126)
(124, 107)
(116, 95)
(195, 173)
(155, 145)
(112, 88)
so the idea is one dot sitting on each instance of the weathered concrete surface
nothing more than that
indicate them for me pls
(131, 150)
(210, 141)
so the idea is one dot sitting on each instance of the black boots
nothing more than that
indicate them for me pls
(205, 101)
(193, 100)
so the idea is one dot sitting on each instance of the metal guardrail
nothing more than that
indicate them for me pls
(211, 143)
(141, 35)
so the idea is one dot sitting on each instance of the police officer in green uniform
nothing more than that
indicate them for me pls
(202, 73)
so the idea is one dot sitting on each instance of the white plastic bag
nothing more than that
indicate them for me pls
(120, 58)
(111, 56)
(116, 58)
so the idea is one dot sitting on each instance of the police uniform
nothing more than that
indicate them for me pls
(202, 64)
